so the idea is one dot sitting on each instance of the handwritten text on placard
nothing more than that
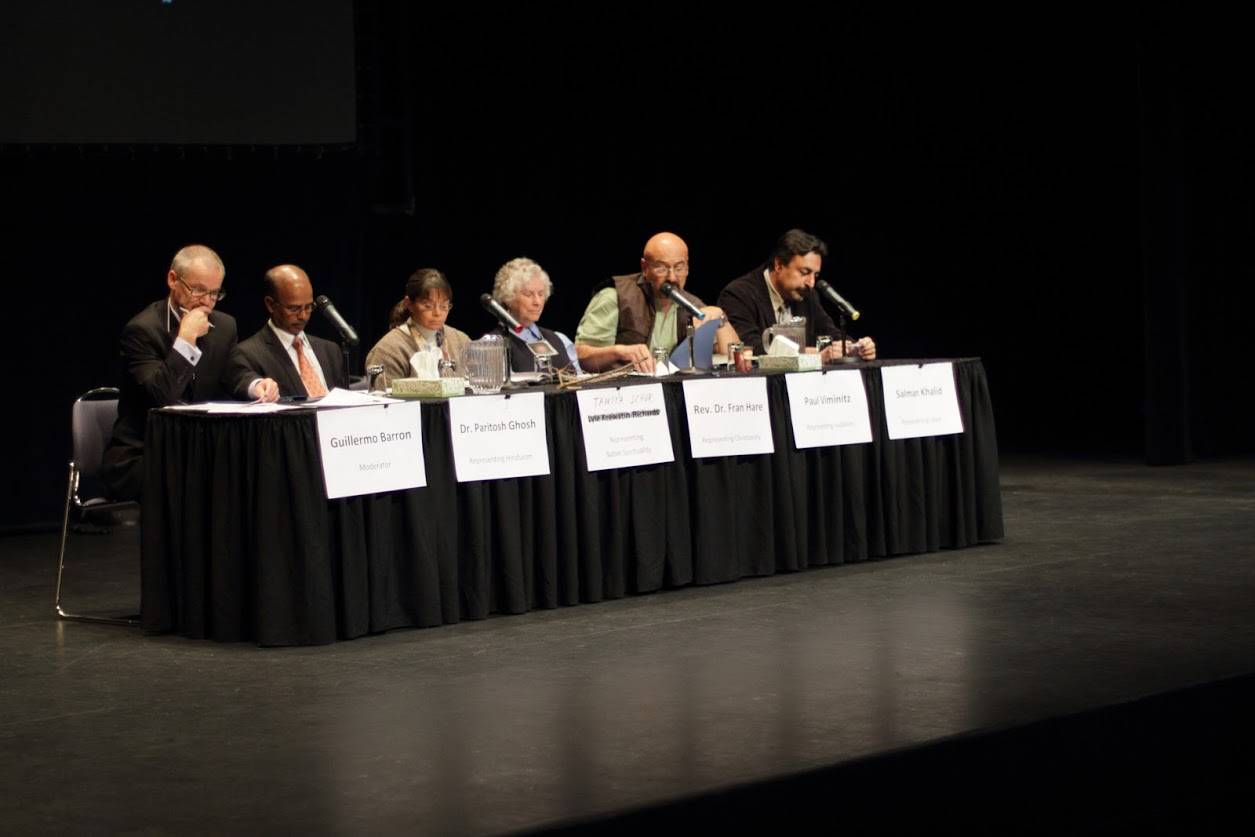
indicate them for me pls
(368, 450)
(921, 400)
(728, 417)
(828, 408)
(624, 427)
(498, 436)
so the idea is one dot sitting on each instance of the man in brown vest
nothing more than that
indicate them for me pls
(630, 317)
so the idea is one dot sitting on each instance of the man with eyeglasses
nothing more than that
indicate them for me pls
(281, 359)
(630, 317)
(176, 350)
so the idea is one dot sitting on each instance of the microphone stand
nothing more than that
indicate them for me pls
(842, 357)
(692, 367)
(347, 351)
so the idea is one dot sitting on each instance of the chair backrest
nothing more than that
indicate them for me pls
(91, 424)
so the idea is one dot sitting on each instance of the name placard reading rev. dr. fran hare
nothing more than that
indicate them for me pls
(728, 417)
(368, 450)
(498, 436)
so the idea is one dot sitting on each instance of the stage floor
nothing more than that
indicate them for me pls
(1115, 582)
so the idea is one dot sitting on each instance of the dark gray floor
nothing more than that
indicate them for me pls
(1116, 581)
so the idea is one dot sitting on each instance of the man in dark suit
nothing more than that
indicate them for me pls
(299, 363)
(784, 288)
(176, 350)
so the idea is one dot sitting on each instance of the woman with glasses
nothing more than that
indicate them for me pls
(417, 325)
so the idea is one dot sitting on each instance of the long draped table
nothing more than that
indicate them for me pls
(241, 543)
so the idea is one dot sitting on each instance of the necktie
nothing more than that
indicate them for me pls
(313, 386)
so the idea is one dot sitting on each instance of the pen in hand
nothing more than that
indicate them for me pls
(183, 312)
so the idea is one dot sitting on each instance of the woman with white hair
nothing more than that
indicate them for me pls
(523, 287)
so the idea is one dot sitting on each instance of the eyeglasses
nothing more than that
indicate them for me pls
(661, 269)
(307, 308)
(442, 307)
(202, 293)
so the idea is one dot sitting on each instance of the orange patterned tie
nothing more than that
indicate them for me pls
(313, 386)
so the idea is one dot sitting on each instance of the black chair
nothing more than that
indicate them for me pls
(91, 424)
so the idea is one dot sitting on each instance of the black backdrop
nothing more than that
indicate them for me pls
(1043, 193)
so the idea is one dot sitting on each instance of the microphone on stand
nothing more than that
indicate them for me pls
(347, 334)
(670, 290)
(503, 316)
(836, 299)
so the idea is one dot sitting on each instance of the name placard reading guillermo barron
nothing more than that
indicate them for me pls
(368, 450)
(624, 426)
(728, 417)
(498, 436)
(921, 400)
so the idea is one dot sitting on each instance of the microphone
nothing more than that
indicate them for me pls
(347, 334)
(670, 290)
(836, 298)
(499, 311)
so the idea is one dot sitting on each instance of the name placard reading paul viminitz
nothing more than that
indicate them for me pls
(498, 436)
(728, 417)
(369, 450)
(828, 408)
(921, 400)
(624, 426)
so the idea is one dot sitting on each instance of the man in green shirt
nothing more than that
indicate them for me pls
(630, 317)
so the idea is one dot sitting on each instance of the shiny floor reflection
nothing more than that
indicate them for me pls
(1115, 582)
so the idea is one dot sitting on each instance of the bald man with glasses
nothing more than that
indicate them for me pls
(630, 317)
(177, 350)
(281, 360)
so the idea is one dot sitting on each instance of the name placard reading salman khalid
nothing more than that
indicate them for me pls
(368, 450)
(624, 426)
(921, 400)
(498, 436)
(828, 408)
(728, 417)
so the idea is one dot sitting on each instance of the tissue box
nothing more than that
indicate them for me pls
(428, 387)
(789, 363)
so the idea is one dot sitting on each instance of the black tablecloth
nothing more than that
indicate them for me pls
(241, 543)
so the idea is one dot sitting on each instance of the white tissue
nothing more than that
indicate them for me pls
(782, 346)
(426, 364)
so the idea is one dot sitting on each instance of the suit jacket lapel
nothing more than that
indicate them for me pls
(328, 355)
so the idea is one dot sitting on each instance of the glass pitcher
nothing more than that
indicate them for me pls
(794, 329)
(485, 362)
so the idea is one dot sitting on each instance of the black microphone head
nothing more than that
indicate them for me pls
(667, 288)
(321, 301)
(485, 299)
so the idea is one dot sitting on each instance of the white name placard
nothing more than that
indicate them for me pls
(625, 426)
(828, 408)
(728, 417)
(921, 400)
(499, 436)
(369, 450)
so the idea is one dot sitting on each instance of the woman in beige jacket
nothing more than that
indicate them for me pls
(418, 325)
